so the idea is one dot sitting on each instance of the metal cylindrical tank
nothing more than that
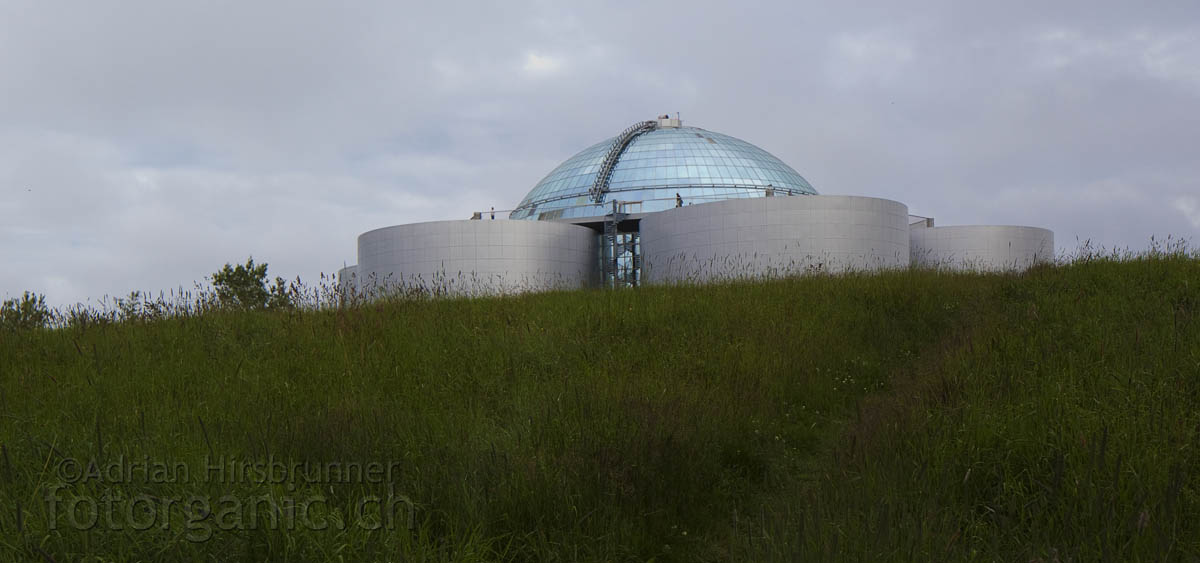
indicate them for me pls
(981, 247)
(478, 257)
(774, 236)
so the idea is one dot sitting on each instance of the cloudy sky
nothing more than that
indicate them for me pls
(143, 144)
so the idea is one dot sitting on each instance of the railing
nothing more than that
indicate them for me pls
(601, 210)
(919, 219)
(777, 191)
(600, 185)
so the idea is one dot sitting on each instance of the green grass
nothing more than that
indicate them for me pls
(913, 415)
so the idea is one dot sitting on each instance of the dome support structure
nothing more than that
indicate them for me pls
(600, 186)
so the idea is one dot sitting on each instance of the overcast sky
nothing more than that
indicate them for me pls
(145, 144)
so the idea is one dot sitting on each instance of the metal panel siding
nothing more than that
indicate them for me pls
(479, 257)
(774, 236)
(981, 247)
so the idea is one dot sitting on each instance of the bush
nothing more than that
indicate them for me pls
(245, 287)
(28, 312)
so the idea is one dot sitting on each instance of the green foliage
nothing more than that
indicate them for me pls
(24, 313)
(245, 287)
(282, 294)
(909, 415)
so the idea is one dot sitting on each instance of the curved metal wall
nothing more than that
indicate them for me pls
(479, 257)
(774, 236)
(981, 247)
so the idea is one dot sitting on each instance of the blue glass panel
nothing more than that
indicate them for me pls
(699, 164)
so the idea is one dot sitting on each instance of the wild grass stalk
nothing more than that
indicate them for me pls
(902, 415)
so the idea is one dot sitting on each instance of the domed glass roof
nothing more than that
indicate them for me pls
(701, 166)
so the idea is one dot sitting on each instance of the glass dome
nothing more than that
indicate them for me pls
(699, 165)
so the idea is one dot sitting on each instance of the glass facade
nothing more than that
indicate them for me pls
(699, 165)
(628, 268)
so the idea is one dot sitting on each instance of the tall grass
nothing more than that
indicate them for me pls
(904, 415)
(1060, 424)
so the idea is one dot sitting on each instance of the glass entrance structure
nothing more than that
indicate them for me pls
(625, 257)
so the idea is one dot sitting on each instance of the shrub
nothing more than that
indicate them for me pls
(27, 312)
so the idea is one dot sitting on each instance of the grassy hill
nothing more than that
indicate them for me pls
(914, 415)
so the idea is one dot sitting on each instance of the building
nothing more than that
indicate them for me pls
(662, 203)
